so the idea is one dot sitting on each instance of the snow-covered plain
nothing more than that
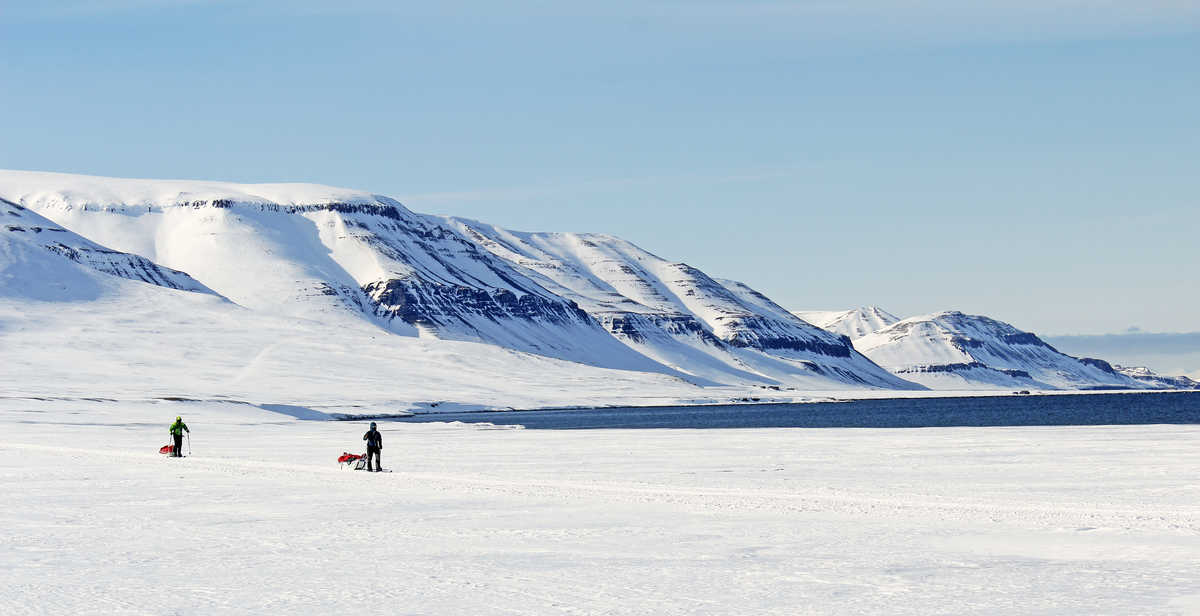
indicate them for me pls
(1051, 520)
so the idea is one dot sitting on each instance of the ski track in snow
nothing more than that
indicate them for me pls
(1082, 520)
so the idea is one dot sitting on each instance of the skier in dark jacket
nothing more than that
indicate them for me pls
(177, 429)
(374, 444)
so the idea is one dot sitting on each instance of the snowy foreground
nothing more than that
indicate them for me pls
(1048, 520)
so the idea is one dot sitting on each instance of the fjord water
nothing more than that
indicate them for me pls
(1006, 410)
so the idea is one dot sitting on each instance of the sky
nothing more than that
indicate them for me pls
(1034, 161)
(1169, 354)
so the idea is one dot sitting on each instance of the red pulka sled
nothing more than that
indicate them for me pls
(353, 460)
(167, 449)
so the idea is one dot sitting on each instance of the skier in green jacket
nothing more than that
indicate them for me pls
(177, 429)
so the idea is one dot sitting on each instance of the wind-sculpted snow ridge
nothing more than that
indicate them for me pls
(677, 314)
(853, 324)
(41, 260)
(952, 350)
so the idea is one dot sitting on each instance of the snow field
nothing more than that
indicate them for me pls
(1091, 520)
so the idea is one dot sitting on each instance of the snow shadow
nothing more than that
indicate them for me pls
(299, 412)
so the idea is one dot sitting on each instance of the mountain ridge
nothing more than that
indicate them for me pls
(670, 311)
(950, 347)
(320, 250)
(853, 324)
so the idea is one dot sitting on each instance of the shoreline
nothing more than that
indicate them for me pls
(400, 409)
(761, 403)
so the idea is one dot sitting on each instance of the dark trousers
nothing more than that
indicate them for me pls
(374, 451)
(178, 451)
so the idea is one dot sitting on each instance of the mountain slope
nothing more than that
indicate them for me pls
(140, 342)
(676, 314)
(951, 350)
(78, 319)
(317, 252)
(41, 260)
(313, 252)
(853, 324)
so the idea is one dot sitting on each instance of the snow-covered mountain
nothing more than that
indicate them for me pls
(676, 314)
(41, 260)
(853, 324)
(309, 251)
(1151, 377)
(316, 252)
(325, 254)
(952, 350)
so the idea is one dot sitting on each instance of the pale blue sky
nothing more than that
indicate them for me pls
(1033, 161)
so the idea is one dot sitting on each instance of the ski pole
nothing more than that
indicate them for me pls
(189, 435)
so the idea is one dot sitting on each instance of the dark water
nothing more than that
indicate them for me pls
(1009, 410)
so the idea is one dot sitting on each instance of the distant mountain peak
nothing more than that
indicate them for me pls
(950, 349)
(853, 324)
(1146, 375)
